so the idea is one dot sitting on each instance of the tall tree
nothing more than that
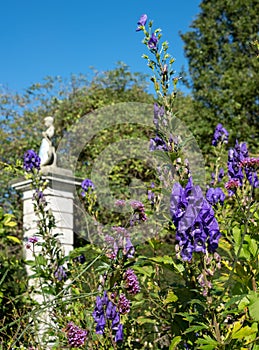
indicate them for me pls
(223, 67)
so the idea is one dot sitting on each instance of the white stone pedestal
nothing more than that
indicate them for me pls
(59, 195)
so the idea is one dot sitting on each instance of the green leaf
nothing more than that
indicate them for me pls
(171, 298)
(254, 309)
(175, 342)
(207, 340)
(243, 332)
(14, 239)
(196, 328)
(142, 320)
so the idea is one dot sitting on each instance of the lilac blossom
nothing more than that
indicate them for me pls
(75, 335)
(31, 161)
(220, 135)
(131, 281)
(142, 22)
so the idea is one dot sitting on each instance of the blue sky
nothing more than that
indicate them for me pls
(42, 38)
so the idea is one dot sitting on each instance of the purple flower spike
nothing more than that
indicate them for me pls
(87, 185)
(31, 161)
(142, 22)
(123, 305)
(75, 335)
(132, 283)
(152, 42)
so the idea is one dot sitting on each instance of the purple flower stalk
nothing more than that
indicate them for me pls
(75, 335)
(220, 135)
(238, 160)
(152, 42)
(105, 310)
(142, 22)
(131, 281)
(31, 161)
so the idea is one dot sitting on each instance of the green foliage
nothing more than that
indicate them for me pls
(223, 69)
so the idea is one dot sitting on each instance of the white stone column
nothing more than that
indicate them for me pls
(59, 194)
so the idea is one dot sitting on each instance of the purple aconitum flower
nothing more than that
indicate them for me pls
(31, 161)
(197, 229)
(105, 310)
(87, 185)
(131, 281)
(129, 249)
(220, 135)
(215, 195)
(235, 156)
(158, 144)
(60, 274)
(142, 22)
(119, 334)
(152, 42)
(76, 336)
(239, 161)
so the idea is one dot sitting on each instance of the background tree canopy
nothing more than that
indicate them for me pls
(223, 68)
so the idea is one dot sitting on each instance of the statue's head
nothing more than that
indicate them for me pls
(48, 121)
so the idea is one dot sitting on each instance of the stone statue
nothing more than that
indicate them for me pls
(47, 151)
